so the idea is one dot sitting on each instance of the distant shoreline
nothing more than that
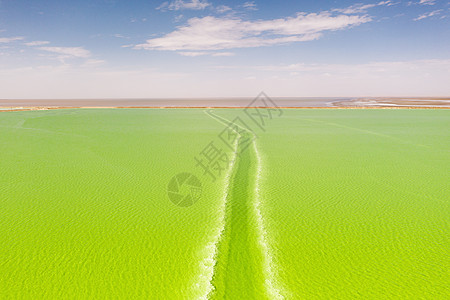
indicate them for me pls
(2, 109)
(231, 103)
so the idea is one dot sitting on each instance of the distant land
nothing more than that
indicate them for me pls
(304, 102)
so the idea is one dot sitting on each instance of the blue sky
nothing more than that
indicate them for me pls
(209, 48)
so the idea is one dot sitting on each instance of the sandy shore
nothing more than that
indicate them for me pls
(395, 102)
(236, 103)
(224, 107)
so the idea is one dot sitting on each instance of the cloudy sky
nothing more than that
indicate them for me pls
(211, 48)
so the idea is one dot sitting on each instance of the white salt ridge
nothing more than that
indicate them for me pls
(207, 266)
(271, 284)
(274, 292)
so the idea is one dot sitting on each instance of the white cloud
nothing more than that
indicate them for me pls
(205, 53)
(93, 63)
(37, 43)
(69, 51)
(211, 33)
(182, 4)
(251, 5)
(223, 54)
(11, 39)
(389, 67)
(222, 9)
(193, 54)
(178, 18)
(428, 15)
(427, 2)
(361, 8)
